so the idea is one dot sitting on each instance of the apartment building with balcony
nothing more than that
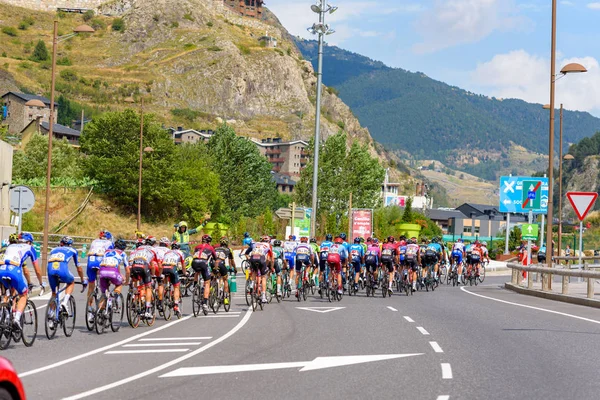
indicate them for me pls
(287, 158)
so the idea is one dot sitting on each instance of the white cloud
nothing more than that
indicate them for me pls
(567, 3)
(525, 76)
(453, 22)
(594, 6)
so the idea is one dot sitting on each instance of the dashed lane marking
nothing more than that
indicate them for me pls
(422, 330)
(436, 347)
(392, 308)
(446, 371)
(409, 319)
(147, 351)
(163, 344)
(175, 338)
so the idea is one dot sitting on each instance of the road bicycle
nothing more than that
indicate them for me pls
(350, 278)
(29, 322)
(324, 283)
(92, 307)
(168, 301)
(110, 312)
(407, 280)
(256, 292)
(57, 316)
(334, 290)
(186, 280)
(218, 294)
(285, 282)
(370, 284)
(272, 288)
(136, 305)
(385, 282)
(197, 297)
(303, 286)
(482, 267)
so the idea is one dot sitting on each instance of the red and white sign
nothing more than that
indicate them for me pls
(582, 202)
(362, 223)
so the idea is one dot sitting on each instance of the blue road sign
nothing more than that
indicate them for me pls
(512, 194)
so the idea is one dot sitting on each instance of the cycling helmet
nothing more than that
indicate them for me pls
(104, 234)
(329, 237)
(267, 239)
(375, 240)
(164, 242)
(369, 239)
(390, 239)
(484, 244)
(150, 241)
(120, 244)
(313, 240)
(182, 224)
(402, 237)
(66, 240)
(224, 241)
(343, 236)
(13, 238)
(175, 246)
(26, 237)
(277, 243)
(435, 239)
(139, 242)
(206, 239)
(292, 237)
(338, 240)
(459, 240)
(303, 239)
(246, 235)
(357, 240)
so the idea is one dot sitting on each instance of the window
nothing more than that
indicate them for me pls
(467, 229)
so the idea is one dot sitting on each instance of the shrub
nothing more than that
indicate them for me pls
(88, 15)
(245, 50)
(188, 16)
(23, 26)
(332, 90)
(27, 47)
(9, 30)
(64, 61)
(156, 17)
(118, 25)
(25, 65)
(41, 52)
(97, 24)
(214, 48)
(174, 24)
(61, 14)
(280, 52)
(68, 75)
(209, 24)
(186, 113)
(4, 54)
(28, 20)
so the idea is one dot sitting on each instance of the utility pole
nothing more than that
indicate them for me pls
(350, 217)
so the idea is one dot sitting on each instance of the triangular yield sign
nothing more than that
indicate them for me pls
(321, 310)
(582, 202)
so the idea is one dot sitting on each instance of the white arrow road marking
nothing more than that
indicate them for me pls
(321, 310)
(317, 363)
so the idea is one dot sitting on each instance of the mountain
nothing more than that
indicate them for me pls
(422, 118)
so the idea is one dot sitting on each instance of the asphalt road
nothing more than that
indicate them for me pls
(460, 343)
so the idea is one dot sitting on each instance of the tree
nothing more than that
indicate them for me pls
(246, 184)
(40, 53)
(111, 143)
(407, 216)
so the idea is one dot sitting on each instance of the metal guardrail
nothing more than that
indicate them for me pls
(566, 273)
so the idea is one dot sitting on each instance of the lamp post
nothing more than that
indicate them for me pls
(320, 29)
(55, 40)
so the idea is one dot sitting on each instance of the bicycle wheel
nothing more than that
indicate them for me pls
(196, 301)
(116, 312)
(51, 323)
(5, 325)
(270, 289)
(212, 295)
(305, 290)
(168, 301)
(133, 312)
(91, 308)
(245, 265)
(69, 318)
(99, 318)
(247, 293)
(218, 298)
(227, 300)
(253, 300)
(150, 321)
(29, 323)
(482, 273)
(384, 286)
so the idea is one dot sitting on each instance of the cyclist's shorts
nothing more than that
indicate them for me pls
(139, 271)
(17, 279)
(222, 268)
(412, 265)
(371, 259)
(541, 258)
(290, 261)
(357, 266)
(201, 266)
(172, 274)
(474, 259)
(430, 259)
(108, 275)
(322, 265)
(302, 260)
(335, 265)
(277, 265)
(93, 265)
(259, 266)
(59, 273)
(389, 265)
(457, 255)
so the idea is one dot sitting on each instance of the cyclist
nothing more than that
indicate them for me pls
(434, 250)
(372, 258)
(476, 257)
(261, 259)
(11, 272)
(247, 242)
(336, 258)
(278, 263)
(224, 255)
(58, 270)
(305, 257)
(541, 255)
(458, 253)
(204, 257)
(163, 248)
(289, 253)
(13, 238)
(389, 257)
(98, 248)
(357, 258)
(109, 268)
(485, 255)
(142, 260)
(172, 260)
(323, 252)
(413, 259)
(182, 236)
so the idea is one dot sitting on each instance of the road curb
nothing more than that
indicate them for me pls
(582, 301)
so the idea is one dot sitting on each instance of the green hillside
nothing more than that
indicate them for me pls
(428, 119)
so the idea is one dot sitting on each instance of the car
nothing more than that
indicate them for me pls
(11, 387)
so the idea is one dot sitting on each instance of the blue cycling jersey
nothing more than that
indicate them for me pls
(356, 252)
(247, 241)
(62, 256)
(435, 247)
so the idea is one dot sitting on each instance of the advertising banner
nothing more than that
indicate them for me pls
(362, 223)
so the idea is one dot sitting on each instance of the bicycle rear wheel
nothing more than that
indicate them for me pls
(481, 273)
(227, 300)
(93, 307)
(168, 301)
(51, 324)
(196, 301)
(116, 312)
(247, 293)
(5, 326)
(99, 319)
(30, 324)
(212, 295)
(69, 318)
(384, 286)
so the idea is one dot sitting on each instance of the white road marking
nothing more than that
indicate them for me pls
(101, 349)
(422, 330)
(175, 338)
(321, 310)
(532, 307)
(436, 347)
(147, 351)
(317, 363)
(162, 344)
(446, 371)
(409, 319)
(444, 397)
(221, 316)
(392, 308)
(165, 365)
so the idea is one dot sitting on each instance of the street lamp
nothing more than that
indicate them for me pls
(55, 40)
(568, 69)
(320, 29)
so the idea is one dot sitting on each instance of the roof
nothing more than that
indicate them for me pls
(27, 97)
(264, 144)
(478, 209)
(444, 215)
(61, 129)
(283, 179)
(178, 134)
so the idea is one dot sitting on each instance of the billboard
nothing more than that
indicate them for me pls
(521, 194)
(362, 223)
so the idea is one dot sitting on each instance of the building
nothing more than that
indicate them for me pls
(42, 128)
(443, 217)
(19, 109)
(287, 158)
(285, 184)
(191, 136)
(247, 8)
(391, 197)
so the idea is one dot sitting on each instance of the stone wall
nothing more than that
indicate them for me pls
(51, 5)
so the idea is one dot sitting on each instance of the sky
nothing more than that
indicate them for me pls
(497, 48)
